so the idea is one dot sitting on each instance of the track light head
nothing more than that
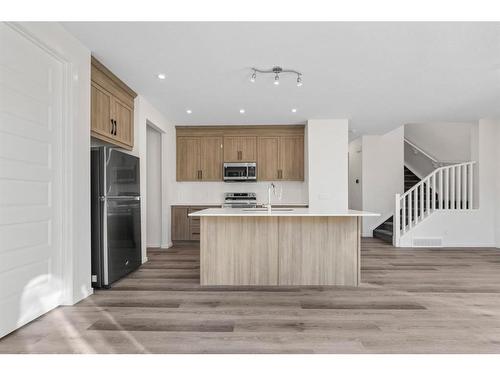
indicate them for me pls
(253, 77)
(277, 79)
(299, 80)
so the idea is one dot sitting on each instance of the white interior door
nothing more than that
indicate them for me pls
(154, 184)
(31, 82)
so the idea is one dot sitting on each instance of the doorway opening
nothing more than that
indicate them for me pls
(154, 187)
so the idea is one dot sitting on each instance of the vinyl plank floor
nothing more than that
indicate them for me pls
(410, 301)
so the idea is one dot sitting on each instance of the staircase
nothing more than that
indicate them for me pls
(385, 230)
(447, 188)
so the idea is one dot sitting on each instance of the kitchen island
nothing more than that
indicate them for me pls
(284, 246)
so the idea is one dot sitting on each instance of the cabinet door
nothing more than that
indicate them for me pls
(101, 112)
(180, 224)
(291, 157)
(122, 114)
(242, 149)
(248, 148)
(211, 158)
(231, 149)
(267, 158)
(188, 159)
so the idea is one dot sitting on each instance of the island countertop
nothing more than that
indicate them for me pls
(277, 212)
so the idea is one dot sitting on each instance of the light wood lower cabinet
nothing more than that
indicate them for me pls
(184, 227)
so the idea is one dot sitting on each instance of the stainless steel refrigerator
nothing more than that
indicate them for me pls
(116, 215)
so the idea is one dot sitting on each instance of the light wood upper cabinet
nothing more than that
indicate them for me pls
(291, 158)
(123, 115)
(211, 158)
(101, 112)
(281, 158)
(188, 158)
(267, 158)
(242, 149)
(278, 151)
(199, 158)
(112, 108)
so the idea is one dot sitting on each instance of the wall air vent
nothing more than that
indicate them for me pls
(428, 242)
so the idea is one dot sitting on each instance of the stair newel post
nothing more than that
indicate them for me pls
(397, 217)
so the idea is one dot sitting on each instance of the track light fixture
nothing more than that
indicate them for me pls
(299, 80)
(276, 70)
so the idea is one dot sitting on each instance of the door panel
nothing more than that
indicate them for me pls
(123, 117)
(231, 149)
(248, 148)
(31, 82)
(240, 149)
(180, 224)
(292, 158)
(101, 111)
(122, 174)
(211, 158)
(267, 163)
(188, 158)
(124, 237)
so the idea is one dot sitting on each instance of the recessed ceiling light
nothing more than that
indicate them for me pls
(242, 111)
(188, 111)
(294, 110)
(162, 76)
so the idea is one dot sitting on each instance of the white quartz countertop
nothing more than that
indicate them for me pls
(278, 212)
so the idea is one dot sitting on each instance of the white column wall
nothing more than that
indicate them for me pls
(382, 175)
(327, 165)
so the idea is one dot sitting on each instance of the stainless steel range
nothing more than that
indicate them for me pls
(240, 200)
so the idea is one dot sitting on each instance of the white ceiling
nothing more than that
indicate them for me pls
(379, 75)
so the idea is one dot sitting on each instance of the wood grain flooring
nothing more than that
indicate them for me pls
(409, 301)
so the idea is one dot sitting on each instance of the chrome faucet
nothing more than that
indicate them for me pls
(271, 187)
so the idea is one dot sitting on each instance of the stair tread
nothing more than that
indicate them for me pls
(383, 231)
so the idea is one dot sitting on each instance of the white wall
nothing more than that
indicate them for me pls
(327, 164)
(146, 115)
(191, 193)
(355, 174)
(154, 184)
(497, 185)
(76, 258)
(444, 141)
(477, 227)
(382, 175)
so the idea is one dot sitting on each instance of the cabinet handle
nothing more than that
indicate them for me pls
(112, 126)
(239, 155)
(201, 175)
(280, 173)
(116, 126)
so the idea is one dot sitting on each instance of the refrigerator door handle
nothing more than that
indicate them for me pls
(123, 198)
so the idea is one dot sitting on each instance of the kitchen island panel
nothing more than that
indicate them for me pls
(318, 251)
(239, 250)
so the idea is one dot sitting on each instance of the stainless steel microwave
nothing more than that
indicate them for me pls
(240, 172)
